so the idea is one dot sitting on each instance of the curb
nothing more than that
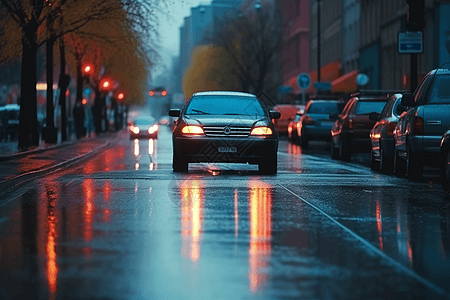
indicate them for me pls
(25, 177)
(35, 151)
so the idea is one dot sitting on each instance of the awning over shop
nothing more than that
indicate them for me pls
(328, 73)
(346, 83)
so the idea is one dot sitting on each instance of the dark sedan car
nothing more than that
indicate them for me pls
(228, 127)
(317, 121)
(350, 133)
(144, 127)
(445, 161)
(382, 134)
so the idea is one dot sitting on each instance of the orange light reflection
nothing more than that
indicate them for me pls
(260, 205)
(379, 225)
(52, 233)
(236, 213)
(136, 147)
(191, 219)
(88, 188)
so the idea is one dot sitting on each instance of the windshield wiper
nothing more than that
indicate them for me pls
(200, 111)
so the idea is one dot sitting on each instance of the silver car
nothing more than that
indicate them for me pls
(419, 130)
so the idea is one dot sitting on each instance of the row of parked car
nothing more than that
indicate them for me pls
(403, 132)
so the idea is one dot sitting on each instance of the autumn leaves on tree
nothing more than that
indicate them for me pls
(114, 35)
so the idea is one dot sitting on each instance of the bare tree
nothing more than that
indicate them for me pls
(253, 40)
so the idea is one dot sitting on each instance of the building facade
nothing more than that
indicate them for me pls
(381, 20)
(294, 56)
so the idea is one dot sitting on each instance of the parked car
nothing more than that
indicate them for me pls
(445, 161)
(144, 127)
(292, 126)
(350, 132)
(230, 127)
(317, 121)
(9, 118)
(382, 134)
(288, 112)
(419, 130)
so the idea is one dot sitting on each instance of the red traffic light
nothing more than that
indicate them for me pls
(120, 96)
(88, 69)
(106, 84)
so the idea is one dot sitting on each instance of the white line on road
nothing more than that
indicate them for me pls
(408, 271)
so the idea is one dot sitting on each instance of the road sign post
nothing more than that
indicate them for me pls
(303, 81)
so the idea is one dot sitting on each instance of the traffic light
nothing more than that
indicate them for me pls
(120, 96)
(415, 15)
(88, 70)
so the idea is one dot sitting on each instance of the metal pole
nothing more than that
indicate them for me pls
(318, 41)
(413, 79)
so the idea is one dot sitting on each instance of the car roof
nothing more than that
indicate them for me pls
(324, 101)
(223, 93)
(440, 72)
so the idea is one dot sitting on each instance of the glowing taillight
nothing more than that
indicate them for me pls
(390, 128)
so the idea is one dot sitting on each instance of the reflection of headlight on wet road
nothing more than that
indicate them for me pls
(136, 147)
(150, 146)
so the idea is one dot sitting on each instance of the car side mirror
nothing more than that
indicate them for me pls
(374, 116)
(175, 112)
(407, 100)
(334, 116)
(274, 114)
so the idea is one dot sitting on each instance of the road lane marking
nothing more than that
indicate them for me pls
(408, 271)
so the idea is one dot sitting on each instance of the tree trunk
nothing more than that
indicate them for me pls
(50, 107)
(63, 83)
(28, 127)
(79, 78)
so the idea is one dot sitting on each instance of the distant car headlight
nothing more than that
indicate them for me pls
(135, 130)
(153, 129)
(192, 130)
(263, 130)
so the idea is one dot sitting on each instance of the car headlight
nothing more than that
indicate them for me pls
(263, 130)
(153, 129)
(192, 129)
(136, 130)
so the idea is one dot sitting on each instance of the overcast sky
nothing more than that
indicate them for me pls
(169, 27)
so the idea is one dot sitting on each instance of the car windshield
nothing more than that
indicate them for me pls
(366, 107)
(440, 93)
(224, 105)
(323, 108)
(144, 121)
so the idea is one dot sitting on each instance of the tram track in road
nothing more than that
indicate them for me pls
(396, 264)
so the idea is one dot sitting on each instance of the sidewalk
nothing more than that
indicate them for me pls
(18, 167)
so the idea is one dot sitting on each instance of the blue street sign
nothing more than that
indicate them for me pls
(324, 86)
(303, 81)
(410, 42)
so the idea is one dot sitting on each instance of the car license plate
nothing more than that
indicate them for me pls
(227, 149)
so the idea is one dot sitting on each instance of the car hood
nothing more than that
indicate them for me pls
(225, 120)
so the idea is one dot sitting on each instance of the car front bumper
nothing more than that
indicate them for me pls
(206, 149)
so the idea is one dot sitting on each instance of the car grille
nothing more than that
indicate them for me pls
(218, 131)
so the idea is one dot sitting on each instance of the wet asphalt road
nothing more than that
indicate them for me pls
(122, 225)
